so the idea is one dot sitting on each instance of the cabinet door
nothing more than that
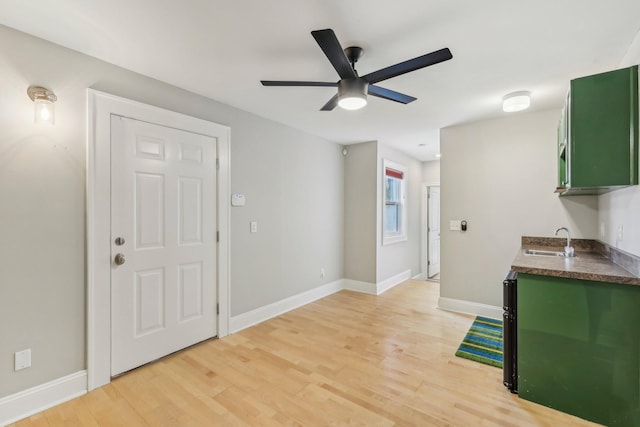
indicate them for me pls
(579, 347)
(603, 125)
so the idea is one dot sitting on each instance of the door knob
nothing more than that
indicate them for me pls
(119, 259)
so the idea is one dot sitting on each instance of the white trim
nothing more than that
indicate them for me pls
(468, 307)
(266, 312)
(44, 396)
(424, 220)
(389, 283)
(420, 276)
(100, 106)
(260, 314)
(358, 286)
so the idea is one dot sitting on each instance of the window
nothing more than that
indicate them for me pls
(394, 213)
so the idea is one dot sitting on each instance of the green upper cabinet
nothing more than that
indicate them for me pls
(598, 134)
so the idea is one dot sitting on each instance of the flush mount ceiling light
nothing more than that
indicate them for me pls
(352, 93)
(43, 99)
(516, 101)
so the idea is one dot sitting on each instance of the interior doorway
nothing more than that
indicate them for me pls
(432, 258)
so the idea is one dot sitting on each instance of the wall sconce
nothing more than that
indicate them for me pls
(43, 99)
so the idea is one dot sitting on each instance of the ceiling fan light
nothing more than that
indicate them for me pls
(352, 93)
(516, 101)
(352, 102)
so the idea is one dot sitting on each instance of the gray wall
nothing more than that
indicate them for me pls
(293, 183)
(431, 172)
(360, 212)
(399, 257)
(621, 208)
(499, 175)
(366, 259)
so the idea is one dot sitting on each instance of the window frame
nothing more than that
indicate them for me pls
(389, 238)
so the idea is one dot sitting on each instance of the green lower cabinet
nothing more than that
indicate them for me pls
(579, 347)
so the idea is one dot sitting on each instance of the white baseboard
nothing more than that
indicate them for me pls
(28, 402)
(468, 307)
(358, 286)
(260, 314)
(421, 276)
(389, 283)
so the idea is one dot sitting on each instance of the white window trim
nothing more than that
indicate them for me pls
(389, 239)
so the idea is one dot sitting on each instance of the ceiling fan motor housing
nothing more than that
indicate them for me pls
(349, 87)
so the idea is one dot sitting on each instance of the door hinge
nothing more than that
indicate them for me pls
(217, 236)
(428, 262)
(217, 308)
(217, 164)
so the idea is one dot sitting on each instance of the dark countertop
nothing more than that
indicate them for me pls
(593, 261)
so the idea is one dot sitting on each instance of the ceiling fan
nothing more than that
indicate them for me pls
(353, 89)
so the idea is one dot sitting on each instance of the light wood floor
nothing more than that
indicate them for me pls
(348, 359)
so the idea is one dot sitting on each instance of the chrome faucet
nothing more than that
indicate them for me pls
(568, 250)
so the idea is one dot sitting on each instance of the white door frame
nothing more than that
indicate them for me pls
(100, 107)
(424, 243)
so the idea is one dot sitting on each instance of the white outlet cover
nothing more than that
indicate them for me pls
(22, 359)
(455, 225)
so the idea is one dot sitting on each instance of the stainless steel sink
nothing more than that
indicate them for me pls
(543, 253)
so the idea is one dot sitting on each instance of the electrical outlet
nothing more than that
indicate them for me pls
(602, 230)
(455, 225)
(620, 235)
(253, 226)
(322, 272)
(22, 359)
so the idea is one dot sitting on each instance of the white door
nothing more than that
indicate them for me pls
(433, 231)
(163, 226)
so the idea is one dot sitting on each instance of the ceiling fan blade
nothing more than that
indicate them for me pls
(296, 83)
(331, 47)
(391, 95)
(333, 102)
(408, 66)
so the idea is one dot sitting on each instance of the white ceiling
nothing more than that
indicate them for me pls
(222, 49)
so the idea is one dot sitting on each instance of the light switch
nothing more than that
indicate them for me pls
(455, 225)
(253, 226)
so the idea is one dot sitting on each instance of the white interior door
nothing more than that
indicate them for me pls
(163, 199)
(433, 231)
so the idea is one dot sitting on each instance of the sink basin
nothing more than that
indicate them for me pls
(543, 253)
